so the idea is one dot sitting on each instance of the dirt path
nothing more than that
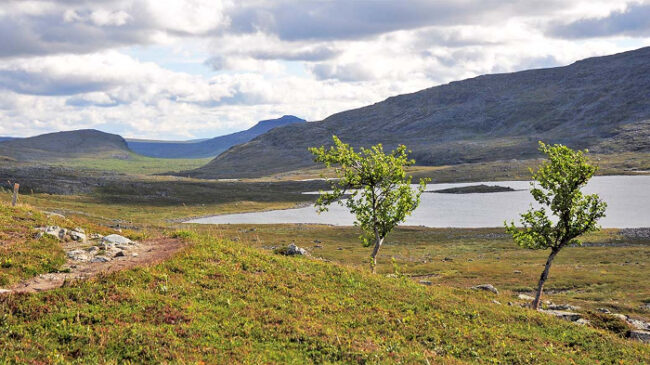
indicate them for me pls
(148, 253)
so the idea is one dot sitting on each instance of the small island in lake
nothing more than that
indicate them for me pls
(475, 189)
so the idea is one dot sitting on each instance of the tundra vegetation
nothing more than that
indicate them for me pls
(227, 298)
(375, 186)
(557, 189)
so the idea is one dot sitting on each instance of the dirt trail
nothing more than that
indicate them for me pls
(148, 252)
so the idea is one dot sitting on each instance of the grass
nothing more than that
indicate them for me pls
(135, 164)
(222, 302)
(21, 254)
(590, 277)
(228, 298)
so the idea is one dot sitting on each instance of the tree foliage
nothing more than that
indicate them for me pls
(557, 189)
(372, 184)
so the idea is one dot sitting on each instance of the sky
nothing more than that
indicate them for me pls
(171, 69)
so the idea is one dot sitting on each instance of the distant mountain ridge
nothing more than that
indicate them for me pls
(210, 147)
(67, 144)
(601, 103)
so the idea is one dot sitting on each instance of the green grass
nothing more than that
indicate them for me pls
(135, 164)
(22, 255)
(590, 277)
(222, 302)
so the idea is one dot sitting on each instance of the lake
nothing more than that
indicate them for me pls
(627, 197)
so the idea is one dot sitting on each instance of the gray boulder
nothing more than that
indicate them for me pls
(79, 255)
(116, 239)
(644, 326)
(563, 307)
(100, 259)
(568, 316)
(486, 287)
(295, 250)
(77, 236)
(525, 297)
(55, 231)
(639, 335)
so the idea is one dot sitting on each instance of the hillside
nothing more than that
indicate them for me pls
(219, 301)
(79, 143)
(207, 148)
(600, 103)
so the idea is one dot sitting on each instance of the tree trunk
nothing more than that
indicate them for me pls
(378, 242)
(543, 277)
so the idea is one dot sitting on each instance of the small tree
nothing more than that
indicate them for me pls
(375, 187)
(560, 179)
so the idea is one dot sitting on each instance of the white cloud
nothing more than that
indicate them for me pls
(75, 64)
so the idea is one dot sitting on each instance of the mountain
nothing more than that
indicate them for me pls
(2, 139)
(68, 144)
(207, 148)
(601, 103)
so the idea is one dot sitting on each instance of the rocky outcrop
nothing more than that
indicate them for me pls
(486, 287)
(643, 336)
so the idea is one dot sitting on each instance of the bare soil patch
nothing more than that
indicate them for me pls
(148, 253)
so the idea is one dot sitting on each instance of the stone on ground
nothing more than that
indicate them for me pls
(116, 239)
(486, 287)
(639, 335)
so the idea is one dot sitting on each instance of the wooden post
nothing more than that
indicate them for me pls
(14, 200)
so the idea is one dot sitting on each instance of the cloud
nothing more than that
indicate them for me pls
(633, 21)
(186, 69)
(58, 27)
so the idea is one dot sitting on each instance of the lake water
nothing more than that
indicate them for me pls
(627, 197)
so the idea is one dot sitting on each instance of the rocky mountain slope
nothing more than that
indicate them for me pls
(601, 103)
(85, 142)
(207, 148)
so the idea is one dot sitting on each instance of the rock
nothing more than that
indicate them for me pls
(78, 255)
(622, 317)
(100, 259)
(486, 287)
(119, 254)
(447, 259)
(426, 282)
(295, 250)
(55, 231)
(638, 324)
(5, 291)
(604, 310)
(54, 215)
(525, 297)
(339, 249)
(517, 272)
(645, 306)
(134, 255)
(80, 230)
(563, 307)
(116, 239)
(318, 246)
(583, 322)
(569, 316)
(643, 336)
(39, 235)
(496, 302)
(317, 241)
(96, 236)
(92, 249)
(77, 236)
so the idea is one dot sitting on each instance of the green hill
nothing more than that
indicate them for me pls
(222, 302)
